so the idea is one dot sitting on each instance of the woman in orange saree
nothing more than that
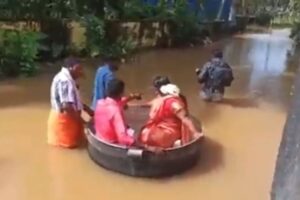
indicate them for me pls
(169, 121)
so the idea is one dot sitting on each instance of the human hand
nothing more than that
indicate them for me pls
(130, 132)
(137, 96)
(88, 110)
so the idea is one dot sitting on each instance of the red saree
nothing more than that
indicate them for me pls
(164, 128)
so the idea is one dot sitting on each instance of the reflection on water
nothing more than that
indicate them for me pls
(237, 158)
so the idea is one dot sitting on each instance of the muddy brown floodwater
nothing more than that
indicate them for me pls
(238, 157)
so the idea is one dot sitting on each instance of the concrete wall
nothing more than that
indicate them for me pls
(143, 34)
(147, 34)
(77, 34)
(286, 183)
(20, 26)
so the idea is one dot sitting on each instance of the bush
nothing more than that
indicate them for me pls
(18, 51)
(184, 32)
(95, 34)
(55, 41)
(119, 49)
(184, 28)
(98, 44)
(264, 18)
(295, 33)
(136, 10)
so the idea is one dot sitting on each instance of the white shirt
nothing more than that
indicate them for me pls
(64, 90)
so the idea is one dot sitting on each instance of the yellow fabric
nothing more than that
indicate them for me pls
(64, 130)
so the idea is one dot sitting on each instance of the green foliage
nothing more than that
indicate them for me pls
(136, 10)
(35, 9)
(18, 51)
(95, 34)
(295, 33)
(55, 41)
(97, 42)
(92, 7)
(39, 10)
(184, 28)
(119, 49)
(264, 18)
(295, 11)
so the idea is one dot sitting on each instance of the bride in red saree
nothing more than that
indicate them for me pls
(168, 122)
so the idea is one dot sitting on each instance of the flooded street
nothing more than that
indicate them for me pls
(238, 157)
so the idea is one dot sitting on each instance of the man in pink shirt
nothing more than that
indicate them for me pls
(109, 118)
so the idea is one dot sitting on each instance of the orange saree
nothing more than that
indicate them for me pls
(64, 130)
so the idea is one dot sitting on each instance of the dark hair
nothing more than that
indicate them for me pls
(70, 62)
(112, 62)
(159, 81)
(218, 53)
(115, 88)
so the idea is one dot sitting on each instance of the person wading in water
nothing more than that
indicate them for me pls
(104, 74)
(214, 77)
(65, 125)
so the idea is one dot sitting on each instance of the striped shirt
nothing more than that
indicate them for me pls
(64, 90)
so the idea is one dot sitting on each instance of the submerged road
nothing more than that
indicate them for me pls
(243, 132)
